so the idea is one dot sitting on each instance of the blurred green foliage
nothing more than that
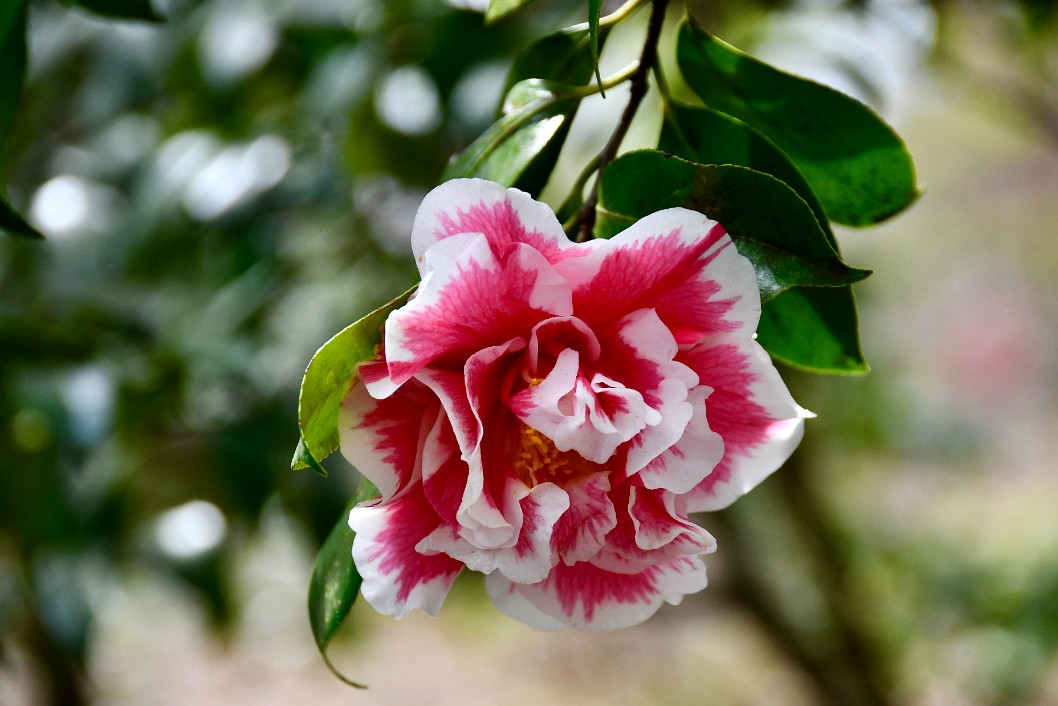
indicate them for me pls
(221, 191)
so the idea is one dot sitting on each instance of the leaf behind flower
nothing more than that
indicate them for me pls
(330, 375)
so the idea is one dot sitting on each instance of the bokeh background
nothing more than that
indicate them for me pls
(223, 191)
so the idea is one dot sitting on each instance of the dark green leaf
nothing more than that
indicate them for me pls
(707, 136)
(594, 11)
(303, 459)
(814, 328)
(770, 224)
(124, 9)
(498, 9)
(565, 56)
(14, 224)
(330, 375)
(856, 164)
(520, 148)
(335, 581)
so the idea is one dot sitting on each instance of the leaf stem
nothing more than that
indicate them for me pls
(637, 90)
(613, 18)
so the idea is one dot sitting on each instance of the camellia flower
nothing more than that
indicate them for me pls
(547, 413)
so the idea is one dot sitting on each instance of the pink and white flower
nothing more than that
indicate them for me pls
(548, 413)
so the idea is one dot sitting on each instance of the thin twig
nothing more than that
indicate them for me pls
(637, 90)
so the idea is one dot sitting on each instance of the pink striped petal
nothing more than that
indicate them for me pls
(471, 300)
(686, 463)
(752, 410)
(504, 216)
(587, 597)
(652, 528)
(397, 578)
(383, 439)
(677, 262)
(639, 352)
(525, 559)
(581, 532)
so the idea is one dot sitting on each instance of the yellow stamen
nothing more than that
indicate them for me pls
(537, 460)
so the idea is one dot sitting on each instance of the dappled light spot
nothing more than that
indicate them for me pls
(407, 101)
(190, 530)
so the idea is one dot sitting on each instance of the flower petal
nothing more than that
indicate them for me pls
(581, 531)
(686, 463)
(383, 439)
(397, 578)
(503, 216)
(675, 261)
(752, 410)
(528, 558)
(587, 597)
(652, 528)
(471, 300)
(639, 352)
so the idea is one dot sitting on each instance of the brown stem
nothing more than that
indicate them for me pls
(637, 90)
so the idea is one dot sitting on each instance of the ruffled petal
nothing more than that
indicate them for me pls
(470, 300)
(581, 532)
(397, 578)
(752, 410)
(639, 352)
(652, 528)
(587, 597)
(384, 439)
(528, 557)
(504, 216)
(677, 262)
(686, 463)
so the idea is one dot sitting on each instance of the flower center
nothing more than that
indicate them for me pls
(537, 460)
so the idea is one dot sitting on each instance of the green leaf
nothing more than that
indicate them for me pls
(708, 136)
(594, 11)
(14, 224)
(521, 147)
(330, 375)
(769, 223)
(335, 581)
(565, 56)
(498, 9)
(814, 328)
(303, 459)
(123, 9)
(856, 164)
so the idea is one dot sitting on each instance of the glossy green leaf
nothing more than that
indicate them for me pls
(594, 12)
(708, 136)
(330, 375)
(124, 9)
(498, 9)
(814, 328)
(565, 56)
(536, 117)
(770, 224)
(335, 580)
(856, 164)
